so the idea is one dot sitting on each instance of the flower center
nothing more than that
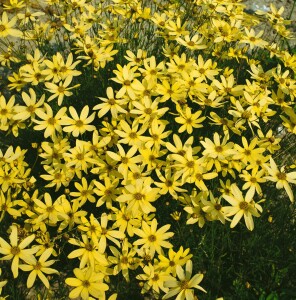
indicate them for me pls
(281, 176)
(244, 205)
(15, 250)
(152, 238)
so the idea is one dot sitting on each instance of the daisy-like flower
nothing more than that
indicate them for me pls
(7, 111)
(253, 39)
(281, 178)
(241, 207)
(174, 259)
(189, 120)
(153, 238)
(78, 124)
(31, 105)
(154, 277)
(87, 283)
(111, 104)
(16, 250)
(217, 152)
(185, 285)
(6, 26)
(125, 76)
(194, 43)
(99, 231)
(61, 90)
(139, 196)
(88, 252)
(49, 122)
(39, 268)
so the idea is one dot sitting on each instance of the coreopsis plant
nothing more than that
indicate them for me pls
(127, 128)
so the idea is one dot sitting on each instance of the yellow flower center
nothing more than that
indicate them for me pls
(218, 206)
(190, 164)
(155, 277)
(124, 260)
(169, 183)
(244, 205)
(51, 121)
(3, 111)
(79, 123)
(111, 101)
(152, 238)
(15, 250)
(85, 283)
(61, 89)
(127, 83)
(184, 285)
(2, 28)
(219, 149)
(133, 135)
(138, 196)
(80, 156)
(38, 266)
(281, 176)
(124, 160)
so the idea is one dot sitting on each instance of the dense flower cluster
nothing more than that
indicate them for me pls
(109, 110)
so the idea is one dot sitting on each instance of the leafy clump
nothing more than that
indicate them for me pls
(141, 142)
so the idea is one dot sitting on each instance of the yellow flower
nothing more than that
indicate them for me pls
(189, 120)
(7, 205)
(169, 183)
(6, 27)
(194, 43)
(61, 90)
(39, 268)
(32, 73)
(151, 70)
(78, 124)
(241, 207)
(85, 192)
(46, 210)
(248, 152)
(157, 134)
(217, 152)
(139, 196)
(152, 237)
(107, 192)
(205, 70)
(281, 178)
(124, 260)
(126, 159)
(79, 158)
(125, 220)
(7, 111)
(194, 208)
(31, 106)
(253, 39)
(174, 259)
(131, 134)
(213, 208)
(87, 283)
(99, 232)
(16, 249)
(111, 104)
(88, 252)
(69, 213)
(185, 285)
(253, 180)
(49, 122)
(154, 278)
(125, 76)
